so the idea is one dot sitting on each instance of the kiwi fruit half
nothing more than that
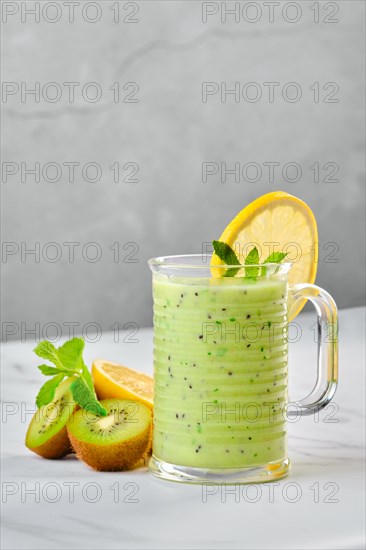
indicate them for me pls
(47, 433)
(119, 441)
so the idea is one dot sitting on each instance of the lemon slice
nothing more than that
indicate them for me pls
(276, 222)
(112, 380)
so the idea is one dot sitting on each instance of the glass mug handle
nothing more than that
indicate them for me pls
(327, 339)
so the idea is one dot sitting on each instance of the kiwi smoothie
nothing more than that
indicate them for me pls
(220, 371)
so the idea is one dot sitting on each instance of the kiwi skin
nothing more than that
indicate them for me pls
(59, 444)
(57, 447)
(124, 455)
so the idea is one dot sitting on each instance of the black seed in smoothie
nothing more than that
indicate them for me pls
(200, 337)
(275, 383)
(255, 454)
(176, 415)
(194, 364)
(248, 316)
(268, 390)
(196, 293)
(190, 387)
(185, 378)
(249, 438)
(230, 373)
(177, 305)
(248, 345)
(209, 316)
(227, 451)
(198, 448)
(168, 357)
(242, 451)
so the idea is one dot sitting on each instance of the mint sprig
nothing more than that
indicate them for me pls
(228, 256)
(68, 361)
(48, 390)
(275, 258)
(252, 259)
(82, 394)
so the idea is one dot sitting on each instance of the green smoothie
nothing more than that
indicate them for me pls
(220, 370)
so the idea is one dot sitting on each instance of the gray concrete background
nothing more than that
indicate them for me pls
(168, 52)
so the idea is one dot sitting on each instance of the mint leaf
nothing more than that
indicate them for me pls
(47, 391)
(84, 397)
(68, 361)
(226, 255)
(66, 358)
(252, 258)
(50, 371)
(70, 354)
(275, 258)
(87, 378)
(47, 350)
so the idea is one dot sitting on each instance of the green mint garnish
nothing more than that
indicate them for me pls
(68, 361)
(84, 397)
(47, 391)
(228, 256)
(252, 259)
(49, 371)
(275, 258)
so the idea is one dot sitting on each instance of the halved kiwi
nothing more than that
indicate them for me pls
(47, 433)
(119, 441)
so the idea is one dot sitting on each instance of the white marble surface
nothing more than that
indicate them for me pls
(168, 515)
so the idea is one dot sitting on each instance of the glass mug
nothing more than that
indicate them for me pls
(220, 369)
